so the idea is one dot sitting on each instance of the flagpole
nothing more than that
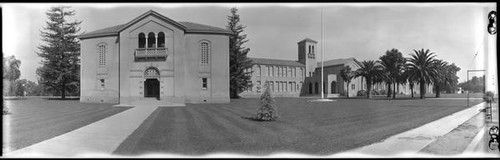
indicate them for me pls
(322, 83)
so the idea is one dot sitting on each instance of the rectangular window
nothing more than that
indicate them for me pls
(102, 84)
(102, 55)
(204, 48)
(272, 86)
(204, 83)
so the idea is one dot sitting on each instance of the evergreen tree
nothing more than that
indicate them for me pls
(238, 60)
(60, 55)
(268, 110)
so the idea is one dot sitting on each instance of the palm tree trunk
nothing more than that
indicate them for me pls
(411, 89)
(438, 94)
(422, 89)
(347, 90)
(368, 89)
(394, 91)
(388, 90)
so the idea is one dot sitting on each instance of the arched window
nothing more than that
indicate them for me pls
(151, 73)
(205, 53)
(142, 40)
(316, 88)
(310, 88)
(101, 49)
(333, 87)
(161, 40)
(312, 49)
(309, 49)
(151, 40)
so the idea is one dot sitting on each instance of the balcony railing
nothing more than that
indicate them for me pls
(146, 54)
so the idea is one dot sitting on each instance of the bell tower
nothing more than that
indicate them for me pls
(307, 55)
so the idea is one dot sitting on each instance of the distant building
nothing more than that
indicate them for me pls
(289, 78)
(154, 57)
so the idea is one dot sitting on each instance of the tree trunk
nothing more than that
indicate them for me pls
(411, 90)
(63, 92)
(388, 90)
(438, 94)
(348, 90)
(394, 91)
(422, 89)
(368, 91)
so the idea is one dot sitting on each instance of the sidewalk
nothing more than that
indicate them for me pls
(100, 138)
(409, 143)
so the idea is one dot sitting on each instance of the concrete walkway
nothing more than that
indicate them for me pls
(99, 138)
(408, 143)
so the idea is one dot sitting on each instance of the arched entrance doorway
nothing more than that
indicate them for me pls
(151, 84)
(333, 87)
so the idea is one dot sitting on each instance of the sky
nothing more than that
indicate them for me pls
(453, 31)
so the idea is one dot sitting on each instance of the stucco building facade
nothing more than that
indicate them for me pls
(302, 77)
(154, 57)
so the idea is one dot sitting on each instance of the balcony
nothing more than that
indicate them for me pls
(150, 54)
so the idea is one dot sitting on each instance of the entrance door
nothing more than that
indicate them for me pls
(152, 88)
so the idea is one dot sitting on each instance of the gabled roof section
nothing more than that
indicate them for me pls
(336, 62)
(110, 31)
(153, 13)
(279, 62)
(307, 40)
(188, 27)
(201, 28)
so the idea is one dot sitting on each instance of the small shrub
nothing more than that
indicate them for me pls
(361, 93)
(375, 92)
(268, 111)
(383, 92)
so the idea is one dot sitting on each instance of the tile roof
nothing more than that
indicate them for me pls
(198, 28)
(276, 62)
(337, 62)
(307, 40)
(190, 27)
(103, 32)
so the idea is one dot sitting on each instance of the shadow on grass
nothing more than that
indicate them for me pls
(69, 99)
(253, 118)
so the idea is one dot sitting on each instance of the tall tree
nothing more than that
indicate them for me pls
(347, 75)
(370, 70)
(11, 72)
(393, 65)
(60, 65)
(440, 79)
(410, 76)
(421, 64)
(238, 60)
(451, 78)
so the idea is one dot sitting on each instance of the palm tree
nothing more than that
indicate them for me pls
(410, 77)
(421, 64)
(370, 70)
(393, 65)
(347, 75)
(440, 80)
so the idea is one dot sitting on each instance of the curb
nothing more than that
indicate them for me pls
(474, 143)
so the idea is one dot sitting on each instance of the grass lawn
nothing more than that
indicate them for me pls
(35, 120)
(304, 127)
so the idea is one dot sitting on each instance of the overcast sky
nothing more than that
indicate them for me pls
(363, 31)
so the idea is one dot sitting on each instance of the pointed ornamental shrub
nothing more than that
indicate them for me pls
(268, 111)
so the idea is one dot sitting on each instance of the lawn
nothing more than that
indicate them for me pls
(35, 120)
(304, 127)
